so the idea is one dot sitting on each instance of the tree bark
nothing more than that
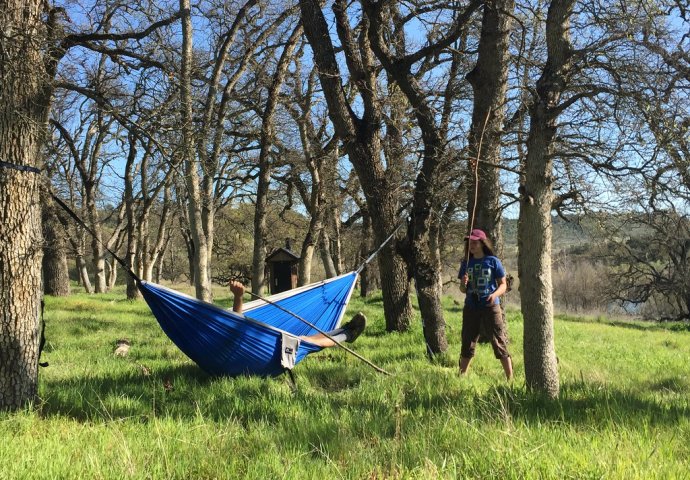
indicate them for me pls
(369, 278)
(534, 225)
(55, 269)
(131, 228)
(24, 104)
(263, 183)
(326, 255)
(196, 203)
(82, 267)
(156, 251)
(426, 263)
(489, 80)
(97, 251)
(314, 199)
(362, 143)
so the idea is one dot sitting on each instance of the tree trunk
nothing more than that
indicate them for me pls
(97, 251)
(158, 272)
(155, 254)
(369, 278)
(131, 260)
(316, 209)
(263, 182)
(329, 241)
(427, 199)
(55, 269)
(326, 257)
(331, 236)
(82, 268)
(534, 225)
(196, 204)
(489, 79)
(260, 230)
(131, 225)
(306, 259)
(362, 143)
(335, 242)
(189, 248)
(24, 103)
(112, 273)
(426, 265)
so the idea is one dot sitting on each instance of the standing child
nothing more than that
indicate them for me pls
(483, 280)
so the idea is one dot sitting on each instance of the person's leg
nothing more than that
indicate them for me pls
(464, 364)
(507, 364)
(470, 335)
(318, 339)
(347, 333)
(499, 339)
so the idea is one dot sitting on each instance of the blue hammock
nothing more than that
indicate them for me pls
(223, 342)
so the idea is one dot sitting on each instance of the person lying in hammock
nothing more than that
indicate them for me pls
(347, 333)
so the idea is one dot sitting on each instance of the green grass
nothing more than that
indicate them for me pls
(623, 412)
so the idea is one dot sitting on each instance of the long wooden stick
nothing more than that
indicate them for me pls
(352, 352)
(475, 163)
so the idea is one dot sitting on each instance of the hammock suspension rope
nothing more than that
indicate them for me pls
(140, 283)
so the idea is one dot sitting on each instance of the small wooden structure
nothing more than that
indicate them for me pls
(282, 269)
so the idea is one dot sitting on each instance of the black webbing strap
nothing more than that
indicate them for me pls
(76, 218)
(70, 212)
(21, 168)
(42, 341)
(291, 376)
(376, 252)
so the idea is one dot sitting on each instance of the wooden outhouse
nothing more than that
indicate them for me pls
(282, 270)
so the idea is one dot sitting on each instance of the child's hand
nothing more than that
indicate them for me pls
(236, 288)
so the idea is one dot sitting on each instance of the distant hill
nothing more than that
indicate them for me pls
(565, 233)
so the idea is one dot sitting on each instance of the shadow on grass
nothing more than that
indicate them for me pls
(331, 378)
(634, 326)
(119, 395)
(181, 391)
(653, 326)
(89, 325)
(585, 404)
(640, 325)
(578, 405)
(671, 385)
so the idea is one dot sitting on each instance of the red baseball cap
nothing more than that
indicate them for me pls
(476, 234)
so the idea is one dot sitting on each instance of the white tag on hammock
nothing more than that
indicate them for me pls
(288, 356)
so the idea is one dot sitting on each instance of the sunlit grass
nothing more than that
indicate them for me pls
(623, 411)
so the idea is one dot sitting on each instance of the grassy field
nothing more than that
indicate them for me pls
(624, 409)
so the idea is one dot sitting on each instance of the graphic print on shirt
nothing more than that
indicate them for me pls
(480, 279)
(482, 276)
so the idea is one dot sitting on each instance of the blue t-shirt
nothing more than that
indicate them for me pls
(483, 275)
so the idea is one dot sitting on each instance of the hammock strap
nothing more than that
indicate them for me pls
(307, 322)
(388, 239)
(70, 212)
(81, 223)
(21, 168)
(124, 265)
